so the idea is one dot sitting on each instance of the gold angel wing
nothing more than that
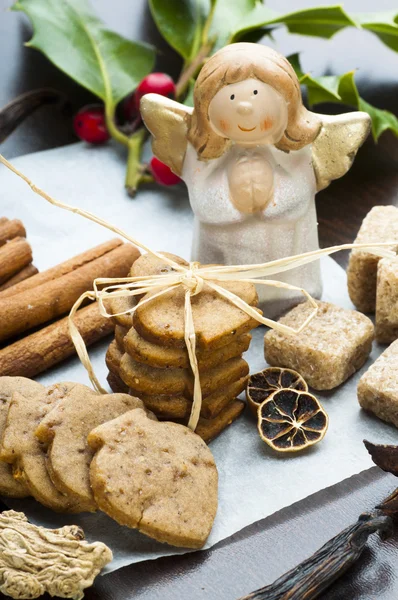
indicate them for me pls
(336, 145)
(167, 121)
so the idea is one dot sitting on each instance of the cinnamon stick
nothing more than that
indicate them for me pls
(45, 348)
(63, 268)
(14, 256)
(27, 272)
(10, 230)
(30, 308)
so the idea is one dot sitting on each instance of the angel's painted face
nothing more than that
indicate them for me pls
(249, 112)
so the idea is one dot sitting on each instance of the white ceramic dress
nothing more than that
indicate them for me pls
(286, 227)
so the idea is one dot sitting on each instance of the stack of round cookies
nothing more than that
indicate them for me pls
(149, 355)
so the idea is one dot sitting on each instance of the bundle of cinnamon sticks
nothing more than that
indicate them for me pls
(37, 303)
(15, 253)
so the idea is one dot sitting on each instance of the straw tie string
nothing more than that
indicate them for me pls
(191, 280)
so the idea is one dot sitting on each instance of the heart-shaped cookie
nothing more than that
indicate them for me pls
(9, 486)
(160, 478)
(63, 432)
(217, 321)
(23, 451)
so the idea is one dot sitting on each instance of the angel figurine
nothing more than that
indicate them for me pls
(253, 157)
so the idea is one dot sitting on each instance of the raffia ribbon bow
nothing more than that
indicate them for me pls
(192, 279)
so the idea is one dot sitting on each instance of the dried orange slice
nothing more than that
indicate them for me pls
(261, 385)
(291, 420)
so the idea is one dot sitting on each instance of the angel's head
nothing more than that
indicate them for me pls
(249, 94)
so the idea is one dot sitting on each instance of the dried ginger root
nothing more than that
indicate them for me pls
(35, 560)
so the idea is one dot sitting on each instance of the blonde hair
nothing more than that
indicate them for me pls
(238, 62)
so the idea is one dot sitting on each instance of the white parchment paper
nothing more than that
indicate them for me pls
(253, 481)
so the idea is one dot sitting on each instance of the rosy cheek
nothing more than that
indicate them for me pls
(266, 124)
(224, 125)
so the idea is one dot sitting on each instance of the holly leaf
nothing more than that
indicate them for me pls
(181, 23)
(324, 21)
(321, 22)
(254, 35)
(383, 24)
(382, 120)
(233, 18)
(342, 89)
(188, 101)
(78, 43)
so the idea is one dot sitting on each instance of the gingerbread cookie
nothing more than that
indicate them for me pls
(161, 357)
(120, 334)
(23, 451)
(64, 430)
(217, 321)
(178, 407)
(113, 357)
(208, 429)
(160, 478)
(151, 265)
(116, 384)
(118, 305)
(8, 385)
(149, 380)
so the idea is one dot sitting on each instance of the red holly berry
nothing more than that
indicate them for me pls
(162, 173)
(155, 83)
(89, 124)
(130, 108)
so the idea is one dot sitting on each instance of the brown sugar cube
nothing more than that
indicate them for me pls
(379, 225)
(334, 345)
(387, 301)
(378, 387)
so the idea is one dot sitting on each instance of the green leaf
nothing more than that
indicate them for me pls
(181, 22)
(189, 97)
(341, 89)
(324, 21)
(382, 120)
(258, 19)
(321, 22)
(294, 60)
(383, 24)
(254, 35)
(321, 89)
(232, 18)
(79, 44)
